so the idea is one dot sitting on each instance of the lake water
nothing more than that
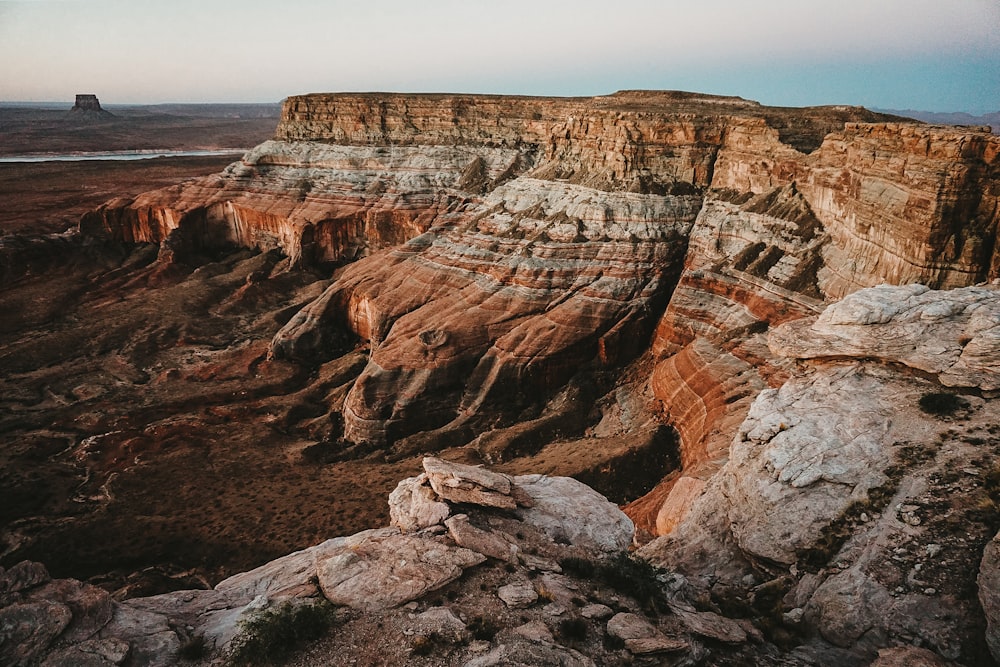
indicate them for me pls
(112, 155)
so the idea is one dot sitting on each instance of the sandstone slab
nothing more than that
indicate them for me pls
(518, 595)
(441, 622)
(460, 483)
(92, 607)
(712, 625)
(90, 653)
(22, 576)
(481, 541)
(413, 505)
(954, 334)
(28, 629)
(571, 512)
(382, 571)
(989, 593)
(641, 637)
(527, 653)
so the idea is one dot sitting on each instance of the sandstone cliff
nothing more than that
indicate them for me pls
(551, 283)
(527, 237)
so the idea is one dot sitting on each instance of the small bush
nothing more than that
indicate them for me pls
(580, 568)
(942, 404)
(483, 628)
(424, 644)
(636, 578)
(193, 649)
(272, 634)
(573, 629)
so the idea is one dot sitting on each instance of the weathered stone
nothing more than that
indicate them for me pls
(382, 571)
(442, 623)
(847, 606)
(91, 606)
(518, 595)
(23, 576)
(909, 656)
(460, 483)
(413, 505)
(153, 642)
(571, 512)
(28, 629)
(677, 504)
(989, 593)
(954, 334)
(641, 637)
(803, 454)
(599, 612)
(489, 544)
(712, 625)
(526, 653)
(535, 631)
(91, 653)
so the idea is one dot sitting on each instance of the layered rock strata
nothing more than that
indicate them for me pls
(526, 238)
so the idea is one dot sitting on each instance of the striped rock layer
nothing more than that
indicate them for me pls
(490, 250)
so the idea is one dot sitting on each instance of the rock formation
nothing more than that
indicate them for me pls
(846, 492)
(808, 297)
(87, 103)
(518, 241)
(64, 622)
(89, 107)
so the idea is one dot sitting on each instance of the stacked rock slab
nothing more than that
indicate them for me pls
(65, 622)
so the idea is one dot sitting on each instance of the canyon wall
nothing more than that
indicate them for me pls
(502, 248)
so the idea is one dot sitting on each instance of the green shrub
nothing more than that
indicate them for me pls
(636, 578)
(573, 629)
(271, 635)
(483, 628)
(193, 648)
(941, 404)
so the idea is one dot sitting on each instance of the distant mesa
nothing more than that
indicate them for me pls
(89, 105)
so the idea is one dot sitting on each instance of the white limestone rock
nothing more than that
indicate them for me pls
(954, 334)
(414, 505)
(386, 570)
(571, 512)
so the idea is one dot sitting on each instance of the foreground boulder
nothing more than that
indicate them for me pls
(526, 522)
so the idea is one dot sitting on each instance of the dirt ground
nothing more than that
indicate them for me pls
(50, 197)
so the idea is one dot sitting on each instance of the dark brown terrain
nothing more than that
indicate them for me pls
(770, 336)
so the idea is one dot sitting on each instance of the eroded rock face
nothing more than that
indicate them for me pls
(954, 334)
(533, 237)
(828, 490)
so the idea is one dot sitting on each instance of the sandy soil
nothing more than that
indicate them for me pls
(50, 197)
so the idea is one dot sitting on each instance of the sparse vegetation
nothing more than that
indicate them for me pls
(271, 635)
(424, 644)
(544, 594)
(573, 629)
(629, 576)
(193, 648)
(942, 404)
(483, 628)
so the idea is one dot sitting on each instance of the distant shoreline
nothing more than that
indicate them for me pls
(114, 155)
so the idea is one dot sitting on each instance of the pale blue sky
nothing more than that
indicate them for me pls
(919, 54)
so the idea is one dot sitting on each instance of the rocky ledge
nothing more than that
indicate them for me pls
(479, 568)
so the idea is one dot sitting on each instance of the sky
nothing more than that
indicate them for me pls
(899, 54)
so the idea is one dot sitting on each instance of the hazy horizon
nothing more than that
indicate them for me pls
(918, 55)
